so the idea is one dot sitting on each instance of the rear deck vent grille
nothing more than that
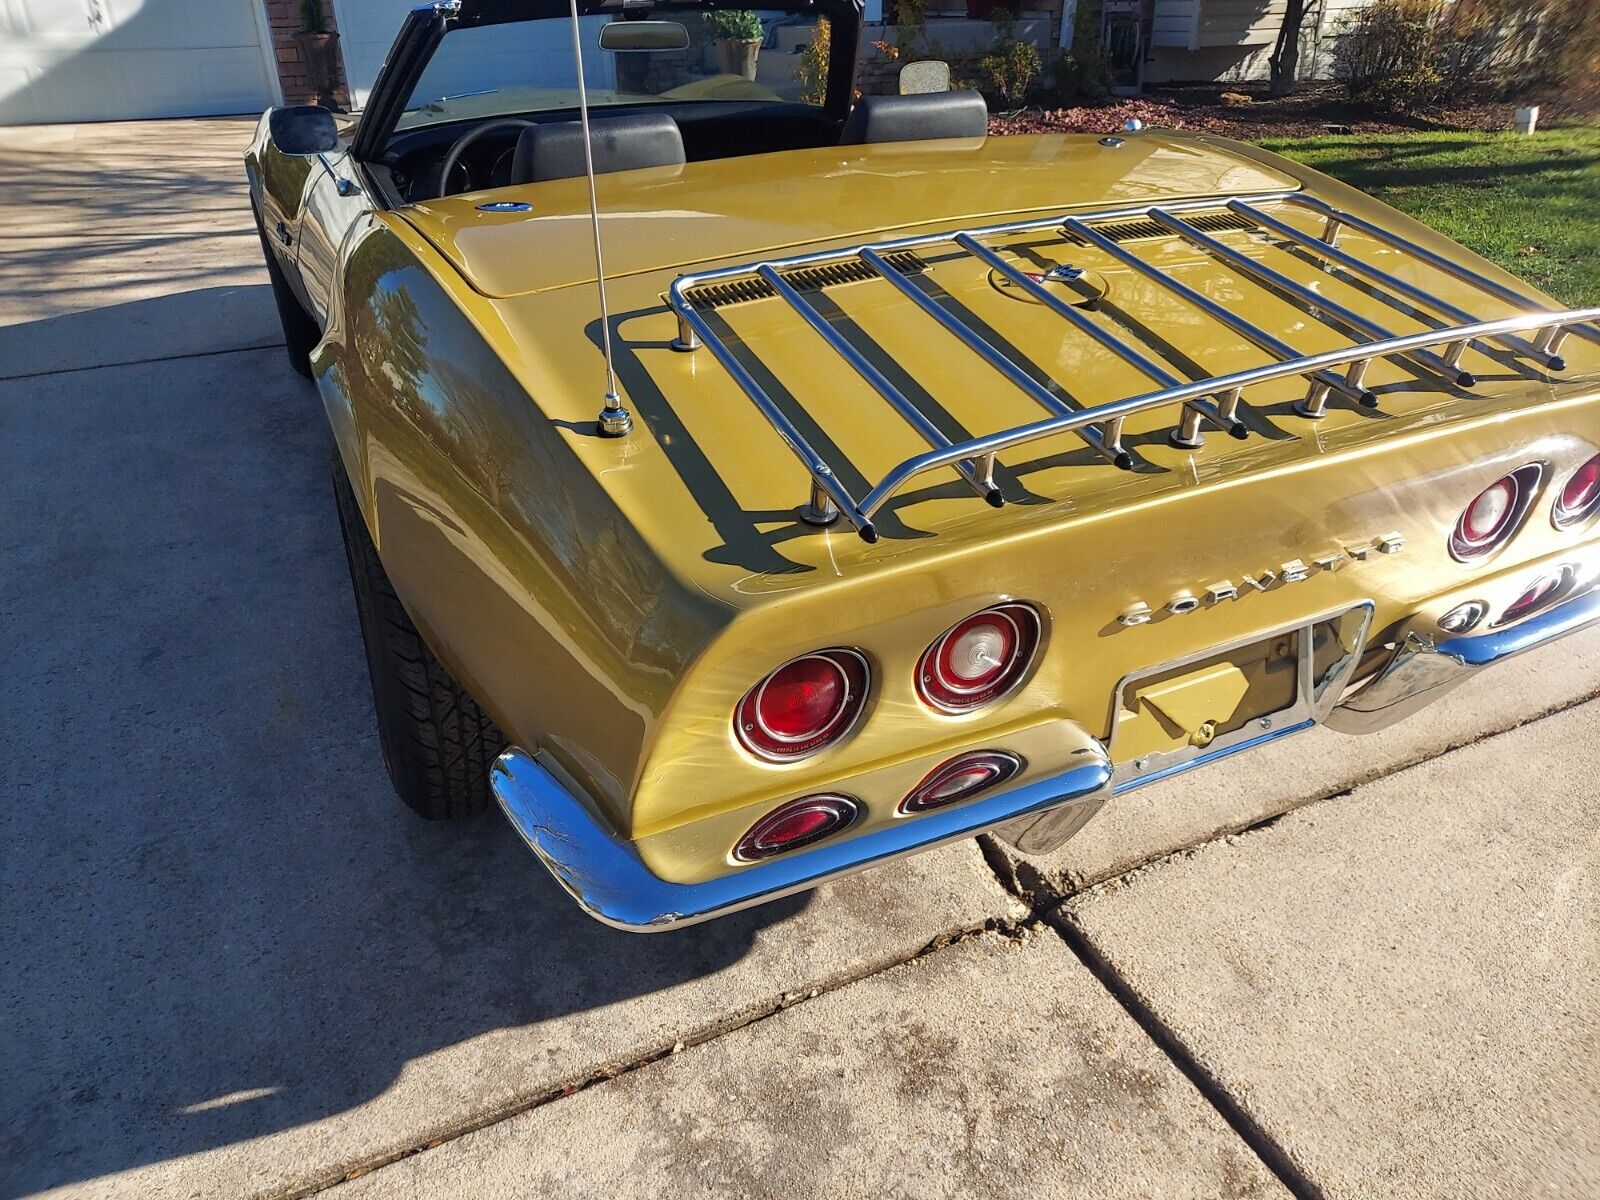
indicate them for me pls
(805, 279)
(1133, 231)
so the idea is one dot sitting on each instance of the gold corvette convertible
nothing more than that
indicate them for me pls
(915, 483)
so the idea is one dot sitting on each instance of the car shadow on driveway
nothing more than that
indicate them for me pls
(219, 923)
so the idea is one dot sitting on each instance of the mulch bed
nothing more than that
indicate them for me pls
(1312, 110)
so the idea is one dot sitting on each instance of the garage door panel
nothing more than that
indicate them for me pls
(179, 24)
(100, 60)
(367, 29)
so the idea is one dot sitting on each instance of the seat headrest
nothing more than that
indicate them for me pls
(623, 143)
(916, 118)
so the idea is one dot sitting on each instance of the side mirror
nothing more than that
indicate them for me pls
(625, 36)
(303, 130)
(929, 75)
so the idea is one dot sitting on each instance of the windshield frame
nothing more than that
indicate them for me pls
(426, 26)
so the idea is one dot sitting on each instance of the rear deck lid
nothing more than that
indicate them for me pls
(740, 208)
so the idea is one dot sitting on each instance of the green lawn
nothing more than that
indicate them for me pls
(1532, 204)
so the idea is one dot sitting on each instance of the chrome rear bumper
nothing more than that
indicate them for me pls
(1423, 671)
(610, 882)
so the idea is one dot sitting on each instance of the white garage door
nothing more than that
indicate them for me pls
(108, 60)
(366, 31)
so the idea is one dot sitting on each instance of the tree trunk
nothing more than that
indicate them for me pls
(1285, 60)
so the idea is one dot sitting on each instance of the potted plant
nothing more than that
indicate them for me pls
(319, 50)
(738, 34)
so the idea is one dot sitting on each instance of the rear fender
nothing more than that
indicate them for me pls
(509, 556)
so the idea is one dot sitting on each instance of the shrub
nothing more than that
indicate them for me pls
(739, 24)
(1011, 69)
(1408, 53)
(813, 70)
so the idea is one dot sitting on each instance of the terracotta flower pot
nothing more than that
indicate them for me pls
(737, 56)
(320, 53)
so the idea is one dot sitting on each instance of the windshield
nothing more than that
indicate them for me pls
(527, 66)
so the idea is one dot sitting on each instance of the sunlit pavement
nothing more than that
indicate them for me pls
(233, 965)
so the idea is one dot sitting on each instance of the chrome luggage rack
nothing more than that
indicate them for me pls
(1211, 401)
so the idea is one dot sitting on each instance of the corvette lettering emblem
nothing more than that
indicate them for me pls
(1295, 570)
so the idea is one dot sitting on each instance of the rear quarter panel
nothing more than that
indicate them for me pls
(511, 559)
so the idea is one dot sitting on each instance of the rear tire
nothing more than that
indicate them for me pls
(437, 743)
(300, 330)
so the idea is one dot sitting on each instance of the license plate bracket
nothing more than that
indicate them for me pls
(1277, 683)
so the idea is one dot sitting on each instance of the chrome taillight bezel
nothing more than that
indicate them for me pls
(1562, 580)
(1005, 767)
(1525, 481)
(951, 698)
(1563, 517)
(782, 748)
(847, 810)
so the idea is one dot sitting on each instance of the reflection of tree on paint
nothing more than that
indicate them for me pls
(399, 346)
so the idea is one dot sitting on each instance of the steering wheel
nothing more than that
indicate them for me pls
(459, 147)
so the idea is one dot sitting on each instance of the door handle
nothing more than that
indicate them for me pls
(284, 235)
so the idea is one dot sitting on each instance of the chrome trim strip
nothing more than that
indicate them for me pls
(602, 872)
(1101, 427)
(1423, 671)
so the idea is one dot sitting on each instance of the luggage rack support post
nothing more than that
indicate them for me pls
(1315, 403)
(820, 509)
(687, 340)
(1188, 436)
(1551, 341)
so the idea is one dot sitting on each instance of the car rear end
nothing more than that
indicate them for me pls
(1188, 484)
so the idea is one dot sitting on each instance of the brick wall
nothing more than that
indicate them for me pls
(284, 18)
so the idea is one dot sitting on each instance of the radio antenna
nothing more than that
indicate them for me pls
(615, 420)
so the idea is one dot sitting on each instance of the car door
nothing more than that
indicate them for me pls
(333, 203)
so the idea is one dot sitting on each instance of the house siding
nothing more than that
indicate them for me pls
(1233, 39)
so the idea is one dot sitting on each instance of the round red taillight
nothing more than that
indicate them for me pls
(798, 823)
(1493, 515)
(806, 704)
(979, 659)
(1580, 498)
(961, 779)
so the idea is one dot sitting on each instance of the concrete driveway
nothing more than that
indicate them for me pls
(232, 965)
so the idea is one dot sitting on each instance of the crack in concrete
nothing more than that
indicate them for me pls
(1018, 930)
(1045, 911)
(139, 362)
(1273, 1156)
(1040, 891)
(1049, 907)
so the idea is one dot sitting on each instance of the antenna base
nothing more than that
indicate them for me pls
(615, 421)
